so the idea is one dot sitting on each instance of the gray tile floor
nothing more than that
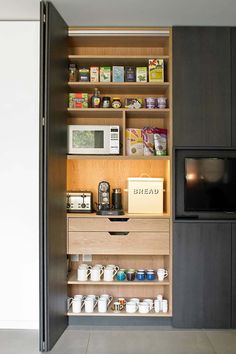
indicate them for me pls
(123, 340)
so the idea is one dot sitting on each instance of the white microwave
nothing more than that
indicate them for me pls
(93, 139)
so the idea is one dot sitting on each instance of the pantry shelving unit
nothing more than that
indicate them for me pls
(149, 241)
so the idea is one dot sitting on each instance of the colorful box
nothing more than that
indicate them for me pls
(94, 74)
(135, 103)
(156, 70)
(105, 74)
(130, 74)
(78, 100)
(141, 74)
(83, 74)
(118, 73)
(134, 142)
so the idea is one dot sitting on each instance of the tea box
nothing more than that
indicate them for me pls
(94, 74)
(156, 70)
(130, 75)
(105, 74)
(141, 74)
(148, 141)
(84, 74)
(160, 141)
(78, 100)
(118, 74)
(134, 142)
(133, 103)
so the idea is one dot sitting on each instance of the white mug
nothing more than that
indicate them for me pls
(108, 297)
(92, 296)
(143, 307)
(131, 306)
(162, 274)
(160, 298)
(98, 266)
(112, 266)
(109, 274)
(84, 266)
(149, 302)
(77, 305)
(102, 304)
(164, 306)
(135, 300)
(96, 273)
(82, 274)
(157, 306)
(89, 304)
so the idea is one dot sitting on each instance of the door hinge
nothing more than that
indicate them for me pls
(43, 121)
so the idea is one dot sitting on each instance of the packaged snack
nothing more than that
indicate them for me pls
(148, 141)
(94, 74)
(105, 74)
(133, 103)
(130, 75)
(160, 141)
(141, 74)
(84, 74)
(78, 100)
(156, 70)
(118, 74)
(134, 142)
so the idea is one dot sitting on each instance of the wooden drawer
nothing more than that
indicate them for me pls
(148, 243)
(113, 224)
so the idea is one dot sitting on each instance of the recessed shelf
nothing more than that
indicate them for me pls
(126, 215)
(73, 280)
(152, 313)
(114, 59)
(122, 84)
(116, 157)
(118, 113)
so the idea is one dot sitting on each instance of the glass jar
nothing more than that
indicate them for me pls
(116, 103)
(106, 102)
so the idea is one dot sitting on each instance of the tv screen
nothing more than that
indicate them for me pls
(210, 184)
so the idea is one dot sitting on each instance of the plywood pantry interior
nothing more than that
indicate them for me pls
(146, 241)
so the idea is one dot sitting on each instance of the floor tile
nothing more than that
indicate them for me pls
(72, 342)
(152, 342)
(223, 341)
(18, 341)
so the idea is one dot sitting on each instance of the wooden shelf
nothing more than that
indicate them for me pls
(116, 157)
(118, 113)
(73, 280)
(126, 215)
(121, 84)
(152, 313)
(113, 59)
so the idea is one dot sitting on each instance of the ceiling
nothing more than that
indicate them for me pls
(128, 12)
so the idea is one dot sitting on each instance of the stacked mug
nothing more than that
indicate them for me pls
(96, 272)
(160, 304)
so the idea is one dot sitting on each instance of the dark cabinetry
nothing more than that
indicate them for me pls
(233, 63)
(202, 275)
(234, 275)
(202, 86)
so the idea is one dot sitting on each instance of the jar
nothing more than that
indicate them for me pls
(106, 102)
(116, 103)
(150, 102)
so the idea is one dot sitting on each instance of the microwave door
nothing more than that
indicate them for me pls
(93, 140)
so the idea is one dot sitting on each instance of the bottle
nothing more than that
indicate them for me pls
(116, 199)
(72, 72)
(96, 99)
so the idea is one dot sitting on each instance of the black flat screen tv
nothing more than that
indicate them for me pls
(210, 184)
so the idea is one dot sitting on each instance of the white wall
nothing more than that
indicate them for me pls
(19, 104)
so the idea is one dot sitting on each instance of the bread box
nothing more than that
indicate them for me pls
(145, 195)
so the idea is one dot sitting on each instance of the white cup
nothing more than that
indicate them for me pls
(89, 304)
(96, 273)
(143, 307)
(92, 296)
(131, 307)
(112, 266)
(160, 298)
(157, 306)
(102, 304)
(149, 302)
(108, 297)
(77, 305)
(84, 266)
(82, 274)
(109, 274)
(162, 274)
(135, 300)
(98, 266)
(164, 306)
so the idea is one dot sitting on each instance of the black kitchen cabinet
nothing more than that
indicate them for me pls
(202, 275)
(202, 87)
(233, 51)
(234, 275)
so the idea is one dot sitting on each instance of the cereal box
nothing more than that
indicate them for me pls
(141, 74)
(156, 70)
(78, 100)
(94, 73)
(105, 74)
(134, 142)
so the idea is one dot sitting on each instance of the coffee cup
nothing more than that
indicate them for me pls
(77, 304)
(84, 266)
(149, 302)
(96, 273)
(117, 307)
(121, 275)
(164, 306)
(131, 307)
(89, 304)
(150, 275)
(113, 266)
(157, 306)
(162, 274)
(140, 275)
(160, 298)
(109, 274)
(98, 266)
(161, 102)
(109, 298)
(102, 304)
(135, 300)
(130, 274)
(121, 300)
(82, 274)
(143, 307)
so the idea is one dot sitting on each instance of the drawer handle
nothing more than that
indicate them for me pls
(118, 233)
(119, 219)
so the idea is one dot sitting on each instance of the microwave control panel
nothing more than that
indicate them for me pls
(114, 140)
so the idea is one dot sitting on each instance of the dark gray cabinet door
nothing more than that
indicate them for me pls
(53, 145)
(201, 86)
(234, 275)
(233, 51)
(202, 275)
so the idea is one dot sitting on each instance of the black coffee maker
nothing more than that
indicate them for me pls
(104, 206)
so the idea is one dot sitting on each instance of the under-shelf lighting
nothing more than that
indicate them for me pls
(73, 32)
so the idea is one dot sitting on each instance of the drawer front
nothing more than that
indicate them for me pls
(112, 224)
(148, 243)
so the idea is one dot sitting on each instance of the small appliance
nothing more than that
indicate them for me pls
(79, 202)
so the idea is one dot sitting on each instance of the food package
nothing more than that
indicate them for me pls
(78, 100)
(160, 141)
(105, 74)
(133, 103)
(141, 74)
(130, 74)
(148, 141)
(83, 74)
(94, 74)
(134, 142)
(156, 70)
(118, 73)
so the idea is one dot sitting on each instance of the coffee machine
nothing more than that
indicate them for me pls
(104, 206)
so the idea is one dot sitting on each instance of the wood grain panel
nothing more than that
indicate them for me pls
(134, 243)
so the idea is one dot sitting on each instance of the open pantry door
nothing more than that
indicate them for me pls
(53, 146)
